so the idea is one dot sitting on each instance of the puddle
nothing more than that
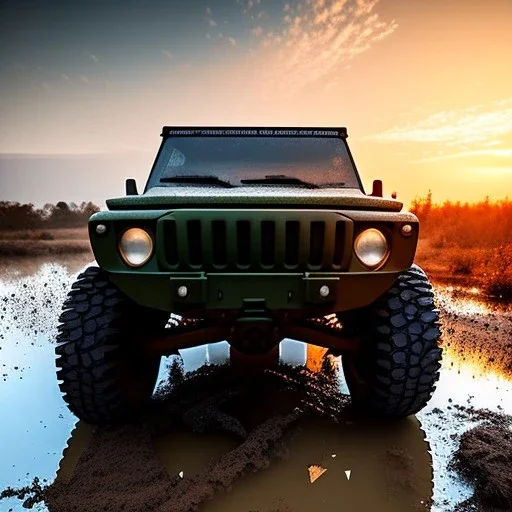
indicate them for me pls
(393, 462)
(36, 426)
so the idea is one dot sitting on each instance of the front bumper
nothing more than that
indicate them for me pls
(279, 291)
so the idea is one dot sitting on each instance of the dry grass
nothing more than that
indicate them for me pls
(31, 248)
(45, 234)
(48, 242)
(470, 244)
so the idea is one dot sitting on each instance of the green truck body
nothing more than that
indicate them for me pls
(250, 235)
(228, 245)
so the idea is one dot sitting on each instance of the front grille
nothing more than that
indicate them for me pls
(263, 241)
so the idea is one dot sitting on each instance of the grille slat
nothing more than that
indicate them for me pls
(339, 243)
(243, 242)
(329, 245)
(268, 243)
(292, 243)
(280, 237)
(219, 243)
(316, 244)
(195, 246)
(171, 242)
(182, 248)
(305, 235)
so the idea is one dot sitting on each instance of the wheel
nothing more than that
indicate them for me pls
(395, 371)
(105, 375)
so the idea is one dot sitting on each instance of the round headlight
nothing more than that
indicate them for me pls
(371, 247)
(136, 247)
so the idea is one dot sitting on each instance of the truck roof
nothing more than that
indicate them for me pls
(233, 131)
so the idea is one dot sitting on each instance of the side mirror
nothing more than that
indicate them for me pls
(377, 188)
(131, 187)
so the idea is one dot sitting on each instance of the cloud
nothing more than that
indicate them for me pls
(257, 31)
(91, 56)
(476, 124)
(319, 41)
(495, 171)
(167, 54)
(64, 76)
(231, 41)
(208, 10)
(212, 23)
(496, 153)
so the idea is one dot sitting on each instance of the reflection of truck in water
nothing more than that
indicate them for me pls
(250, 236)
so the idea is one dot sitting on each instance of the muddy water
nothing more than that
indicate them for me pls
(359, 465)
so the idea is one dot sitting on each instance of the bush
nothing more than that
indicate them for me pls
(498, 272)
(462, 264)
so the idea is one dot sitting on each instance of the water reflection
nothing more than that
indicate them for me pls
(35, 422)
(389, 464)
(390, 469)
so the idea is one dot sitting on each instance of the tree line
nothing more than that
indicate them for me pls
(14, 215)
(483, 224)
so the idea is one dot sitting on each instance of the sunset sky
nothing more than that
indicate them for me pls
(424, 87)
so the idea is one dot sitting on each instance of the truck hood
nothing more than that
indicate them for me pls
(162, 198)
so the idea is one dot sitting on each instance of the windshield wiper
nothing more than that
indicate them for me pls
(279, 179)
(206, 180)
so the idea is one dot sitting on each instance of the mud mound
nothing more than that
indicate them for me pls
(484, 458)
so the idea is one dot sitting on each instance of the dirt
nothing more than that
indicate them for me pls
(479, 336)
(484, 458)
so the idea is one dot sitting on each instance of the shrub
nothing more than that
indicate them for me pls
(461, 264)
(16, 216)
(482, 224)
(498, 272)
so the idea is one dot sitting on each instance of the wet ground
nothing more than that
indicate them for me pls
(317, 464)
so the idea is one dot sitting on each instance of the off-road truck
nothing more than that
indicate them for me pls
(250, 235)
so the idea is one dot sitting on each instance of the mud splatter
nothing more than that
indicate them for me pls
(32, 304)
(30, 494)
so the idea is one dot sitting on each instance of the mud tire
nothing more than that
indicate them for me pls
(105, 376)
(395, 372)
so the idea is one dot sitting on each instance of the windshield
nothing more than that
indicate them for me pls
(254, 161)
